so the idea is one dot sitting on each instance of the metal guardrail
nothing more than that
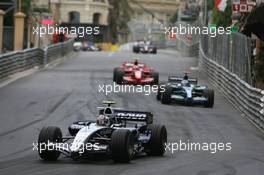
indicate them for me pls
(58, 50)
(15, 62)
(19, 61)
(244, 97)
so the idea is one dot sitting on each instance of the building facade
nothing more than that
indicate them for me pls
(82, 11)
(79, 13)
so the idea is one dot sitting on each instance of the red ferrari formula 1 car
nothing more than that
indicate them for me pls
(135, 73)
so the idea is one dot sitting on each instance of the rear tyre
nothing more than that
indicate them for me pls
(122, 146)
(158, 140)
(119, 76)
(115, 73)
(136, 49)
(155, 76)
(50, 134)
(166, 95)
(154, 50)
(209, 95)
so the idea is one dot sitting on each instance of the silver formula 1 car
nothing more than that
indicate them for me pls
(185, 91)
(117, 133)
(144, 47)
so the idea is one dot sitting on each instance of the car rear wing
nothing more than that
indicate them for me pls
(179, 79)
(139, 116)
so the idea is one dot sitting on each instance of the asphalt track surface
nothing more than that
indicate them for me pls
(69, 92)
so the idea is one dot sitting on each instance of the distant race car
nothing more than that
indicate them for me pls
(186, 91)
(77, 46)
(135, 73)
(144, 47)
(89, 46)
(117, 133)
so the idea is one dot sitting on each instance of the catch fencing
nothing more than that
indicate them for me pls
(231, 51)
(18, 61)
(226, 62)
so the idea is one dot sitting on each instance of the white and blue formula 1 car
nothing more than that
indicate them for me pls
(119, 134)
(185, 91)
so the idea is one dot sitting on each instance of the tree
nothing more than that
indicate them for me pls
(210, 4)
(25, 8)
(119, 16)
(223, 18)
(174, 18)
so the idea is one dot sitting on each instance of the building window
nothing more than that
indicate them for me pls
(74, 17)
(96, 18)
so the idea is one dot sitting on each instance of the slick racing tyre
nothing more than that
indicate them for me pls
(155, 76)
(136, 49)
(154, 50)
(159, 91)
(119, 76)
(158, 140)
(122, 146)
(115, 73)
(50, 134)
(209, 95)
(166, 95)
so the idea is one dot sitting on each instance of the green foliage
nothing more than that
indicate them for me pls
(41, 10)
(25, 8)
(223, 18)
(125, 13)
(119, 15)
(210, 4)
(9, 18)
(174, 18)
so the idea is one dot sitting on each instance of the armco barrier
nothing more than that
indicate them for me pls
(15, 62)
(19, 61)
(57, 50)
(244, 97)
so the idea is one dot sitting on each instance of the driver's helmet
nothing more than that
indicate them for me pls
(185, 83)
(102, 120)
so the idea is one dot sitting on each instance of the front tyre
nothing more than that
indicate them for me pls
(158, 140)
(209, 95)
(158, 97)
(122, 146)
(166, 95)
(50, 134)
